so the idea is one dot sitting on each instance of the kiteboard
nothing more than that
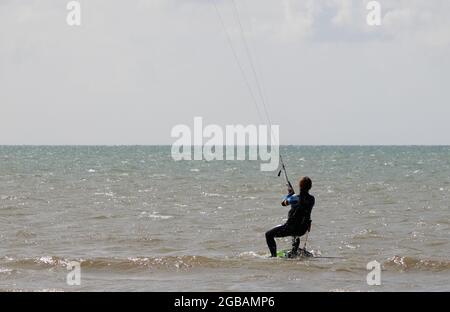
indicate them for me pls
(302, 254)
(288, 254)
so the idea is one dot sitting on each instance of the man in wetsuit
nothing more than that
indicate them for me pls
(299, 217)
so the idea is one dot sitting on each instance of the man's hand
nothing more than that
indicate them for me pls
(290, 189)
(284, 203)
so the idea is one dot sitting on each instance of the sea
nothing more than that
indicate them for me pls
(130, 218)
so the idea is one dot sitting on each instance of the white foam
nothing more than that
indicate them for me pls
(251, 254)
(154, 215)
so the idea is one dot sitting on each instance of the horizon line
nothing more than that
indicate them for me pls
(169, 145)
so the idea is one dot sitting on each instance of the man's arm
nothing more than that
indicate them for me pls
(290, 199)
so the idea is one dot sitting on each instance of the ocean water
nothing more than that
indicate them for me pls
(138, 221)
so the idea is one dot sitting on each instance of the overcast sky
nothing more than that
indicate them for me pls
(136, 68)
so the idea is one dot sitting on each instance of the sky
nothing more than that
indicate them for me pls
(135, 69)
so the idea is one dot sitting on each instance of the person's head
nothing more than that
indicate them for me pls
(305, 184)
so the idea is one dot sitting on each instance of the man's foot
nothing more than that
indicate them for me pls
(305, 253)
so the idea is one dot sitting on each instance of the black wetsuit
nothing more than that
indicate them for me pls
(298, 223)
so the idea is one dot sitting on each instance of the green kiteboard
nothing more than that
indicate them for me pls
(301, 253)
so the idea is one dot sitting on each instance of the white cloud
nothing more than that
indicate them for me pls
(342, 20)
(420, 21)
(344, 14)
(298, 19)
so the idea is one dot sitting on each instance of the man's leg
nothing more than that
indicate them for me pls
(295, 244)
(278, 231)
(296, 240)
(295, 247)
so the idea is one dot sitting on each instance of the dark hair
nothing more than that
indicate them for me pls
(305, 184)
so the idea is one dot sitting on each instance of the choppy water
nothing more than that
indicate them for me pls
(137, 220)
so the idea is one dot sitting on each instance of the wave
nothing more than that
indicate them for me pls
(154, 216)
(177, 263)
(5, 271)
(415, 264)
(188, 263)
(252, 255)
(162, 263)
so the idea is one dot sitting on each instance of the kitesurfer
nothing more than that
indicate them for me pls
(299, 216)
